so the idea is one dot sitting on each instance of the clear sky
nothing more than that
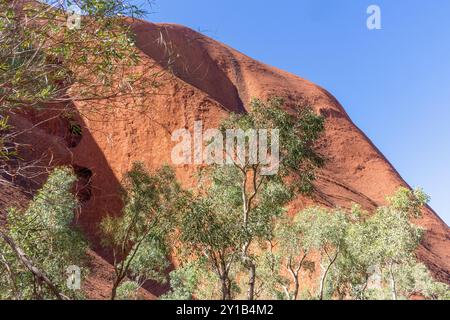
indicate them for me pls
(394, 82)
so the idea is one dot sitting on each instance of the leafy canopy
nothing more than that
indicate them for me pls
(46, 234)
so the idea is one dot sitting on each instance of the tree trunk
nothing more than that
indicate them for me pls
(39, 275)
(251, 281)
(322, 283)
(324, 276)
(296, 286)
(116, 284)
(12, 276)
(295, 275)
(393, 284)
(226, 290)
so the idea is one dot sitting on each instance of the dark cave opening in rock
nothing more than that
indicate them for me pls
(83, 187)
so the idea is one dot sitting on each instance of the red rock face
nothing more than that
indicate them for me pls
(355, 170)
(208, 81)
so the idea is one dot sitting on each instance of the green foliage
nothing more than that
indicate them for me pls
(324, 232)
(409, 202)
(210, 226)
(184, 281)
(234, 212)
(46, 65)
(298, 134)
(7, 150)
(363, 256)
(322, 229)
(40, 57)
(75, 129)
(415, 278)
(46, 234)
(138, 238)
(383, 247)
(128, 290)
(271, 283)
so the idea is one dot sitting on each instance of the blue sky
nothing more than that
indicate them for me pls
(394, 82)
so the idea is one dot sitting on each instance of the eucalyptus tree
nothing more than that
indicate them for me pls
(237, 205)
(286, 257)
(54, 53)
(385, 244)
(138, 238)
(379, 256)
(363, 255)
(39, 245)
(325, 231)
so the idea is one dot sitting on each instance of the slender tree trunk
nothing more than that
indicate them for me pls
(286, 292)
(119, 276)
(229, 289)
(226, 283)
(12, 276)
(295, 275)
(37, 273)
(222, 269)
(324, 276)
(322, 282)
(393, 289)
(363, 291)
(116, 284)
(114, 292)
(224, 291)
(251, 281)
(251, 267)
(296, 287)
(393, 284)
(247, 261)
